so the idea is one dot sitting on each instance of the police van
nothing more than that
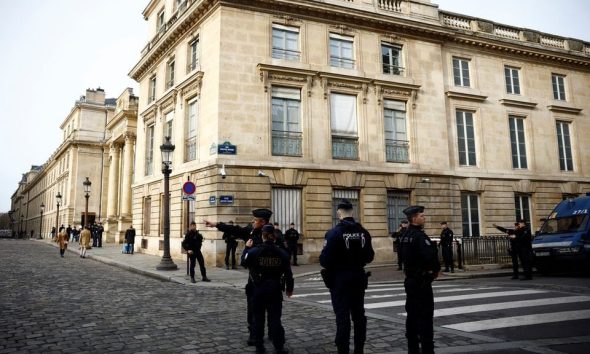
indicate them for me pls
(564, 236)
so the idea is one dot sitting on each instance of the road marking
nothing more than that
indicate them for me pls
(507, 305)
(378, 305)
(517, 321)
(370, 290)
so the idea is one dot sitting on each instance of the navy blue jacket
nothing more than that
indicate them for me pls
(268, 263)
(420, 255)
(347, 247)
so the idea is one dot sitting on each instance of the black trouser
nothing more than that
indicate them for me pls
(447, 253)
(99, 239)
(62, 251)
(348, 297)
(400, 261)
(420, 310)
(293, 251)
(267, 298)
(525, 260)
(197, 255)
(230, 248)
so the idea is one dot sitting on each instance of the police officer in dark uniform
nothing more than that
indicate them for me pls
(346, 252)
(397, 236)
(193, 240)
(268, 264)
(291, 237)
(251, 232)
(230, 248)
(446, 244)
(421, 267)
(520, 248)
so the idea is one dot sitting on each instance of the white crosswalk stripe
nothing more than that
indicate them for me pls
(516, 321)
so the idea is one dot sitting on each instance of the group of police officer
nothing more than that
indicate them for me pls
(346, 251)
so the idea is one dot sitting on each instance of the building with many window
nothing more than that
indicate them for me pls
(94, 124)
(294, 105)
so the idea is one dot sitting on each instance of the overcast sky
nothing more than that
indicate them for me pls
(53, 50)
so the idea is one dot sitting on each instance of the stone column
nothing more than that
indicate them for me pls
(113, 181)
(127, 175)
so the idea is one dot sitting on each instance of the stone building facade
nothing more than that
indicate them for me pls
(81, 154)
(294, 105)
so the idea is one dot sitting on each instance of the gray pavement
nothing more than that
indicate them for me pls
(51, 304)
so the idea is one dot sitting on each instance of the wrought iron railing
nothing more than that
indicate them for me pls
(397, 150)
(286, 143)
(340, 62)
(485, 250)
(281, 53)
(393, 70)
(345, 148)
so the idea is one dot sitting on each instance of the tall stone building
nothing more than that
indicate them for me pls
(92, 122)
(294, 105)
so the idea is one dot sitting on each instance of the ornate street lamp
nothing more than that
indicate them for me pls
(86, 184)
(41, 209)
(58, 199)
(167, 149)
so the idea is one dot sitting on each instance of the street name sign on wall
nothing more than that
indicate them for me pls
(212, 200)
(226, 199)
(227, 149)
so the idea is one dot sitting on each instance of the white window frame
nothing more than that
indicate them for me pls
(393, 69)
(170, 73)
(521, 156)
(519, 207)
(512, 77)
(152, 89)
(341, 61)
(564, 147)
(465, 143)
(470, 222)
(193, 55)
(191, 129)
(149, 150)
(558, 94)
(283, 52)
(464, 63)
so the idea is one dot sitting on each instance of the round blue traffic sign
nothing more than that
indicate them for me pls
(189, 188)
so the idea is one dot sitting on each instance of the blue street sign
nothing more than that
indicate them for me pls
(212, 200)
(226, 199)
(227, 148)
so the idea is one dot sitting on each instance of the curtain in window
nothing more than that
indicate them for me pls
(343, 114)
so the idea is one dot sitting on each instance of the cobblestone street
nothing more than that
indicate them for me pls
(52, 304)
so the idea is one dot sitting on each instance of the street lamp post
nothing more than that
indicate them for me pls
(167, 149)
(41, 209)
(58, 199)
(86, 184)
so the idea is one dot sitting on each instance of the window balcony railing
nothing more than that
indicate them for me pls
(393, 70)
(340, 62)
(149, 166)
(286, 143)
(170, 83)
(397, 150)
(345, 148)
(190, 149)
(280, 53)
(192, 65)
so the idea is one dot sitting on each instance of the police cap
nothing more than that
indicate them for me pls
(268, 228)
(414, 209)
(262, 213)
(345, 204)
(522, 221)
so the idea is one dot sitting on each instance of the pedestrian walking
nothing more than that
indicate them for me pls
(231, 243)
(69, 232)
(267, 264)
(421, 267)
(85, 236)
(446, 244)
(99, 232)
(291, 238)
(193, 240)
(53, 234)
(397, 236)
(130, 240)
(520, 248)
(346, 252)
(62, 241)
(252, 232)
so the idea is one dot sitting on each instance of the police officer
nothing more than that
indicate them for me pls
(291, 237)
(230, 248)
(268, 264)
(421, 267)
(446, 243)
(346, 251)
(251, 232)
(193, 240)
(397, 236)
(520, 248)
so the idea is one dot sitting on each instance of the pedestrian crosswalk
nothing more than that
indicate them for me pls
(473, 308)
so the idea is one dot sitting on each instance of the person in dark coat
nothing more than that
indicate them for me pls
(267, 264)
(193, 240)
(421, 267)
(346, 252)
(397, 236)
(99, 232)
(130, 238)
(231, 243)
(520, 248)
(291, 238)
(446, 244)
(251, 232)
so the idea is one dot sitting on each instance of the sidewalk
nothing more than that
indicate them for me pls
(145, 264)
